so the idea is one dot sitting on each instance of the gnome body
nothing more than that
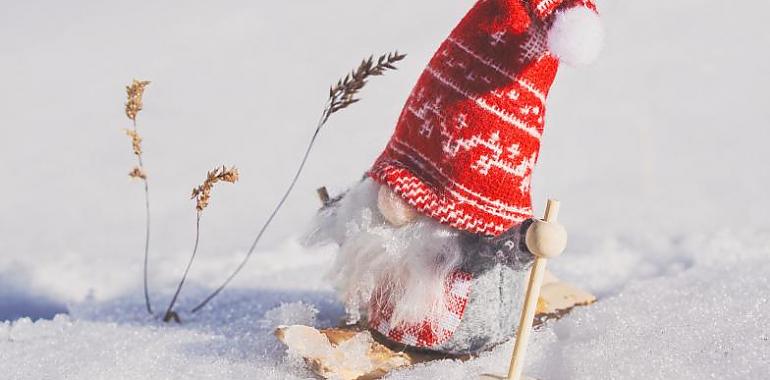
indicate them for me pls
(432, 249)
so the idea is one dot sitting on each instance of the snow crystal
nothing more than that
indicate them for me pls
(295, 313)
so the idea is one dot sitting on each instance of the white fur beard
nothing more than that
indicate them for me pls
(407, 266)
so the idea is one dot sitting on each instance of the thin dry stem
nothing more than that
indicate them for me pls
(170, 314)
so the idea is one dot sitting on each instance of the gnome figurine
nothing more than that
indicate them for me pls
(432, 256)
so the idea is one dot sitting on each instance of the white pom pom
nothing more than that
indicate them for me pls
(576, 36)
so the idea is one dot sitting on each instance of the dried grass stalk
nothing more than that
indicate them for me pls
(202, 196)
(135, 92)
(341, 95)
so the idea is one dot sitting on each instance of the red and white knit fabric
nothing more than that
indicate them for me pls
(436, 328)
(469, 136)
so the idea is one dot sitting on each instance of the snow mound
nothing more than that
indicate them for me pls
(689, 307)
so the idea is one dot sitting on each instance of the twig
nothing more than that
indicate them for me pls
(341, 95)
(323, 195)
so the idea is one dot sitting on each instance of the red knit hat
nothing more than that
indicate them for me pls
(469, 135)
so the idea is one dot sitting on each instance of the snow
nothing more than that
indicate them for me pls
(657, 153)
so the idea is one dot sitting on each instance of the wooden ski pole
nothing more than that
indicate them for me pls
(530, 302)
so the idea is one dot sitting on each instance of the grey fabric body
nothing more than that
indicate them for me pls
(492, 313)
(499, 267)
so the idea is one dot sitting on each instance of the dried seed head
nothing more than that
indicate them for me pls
(202, 193)
(343, 94)
(136, 141)
(135, 91)
(230, 175)
(138, 173)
